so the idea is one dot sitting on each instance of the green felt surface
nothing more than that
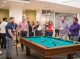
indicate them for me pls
(49, 42)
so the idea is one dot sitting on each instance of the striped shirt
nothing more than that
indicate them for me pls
(64, 27)
(23, 26)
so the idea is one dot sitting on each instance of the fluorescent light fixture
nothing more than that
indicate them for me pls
(21, 1)
(68, 1)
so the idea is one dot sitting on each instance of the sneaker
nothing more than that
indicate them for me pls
(0, 52)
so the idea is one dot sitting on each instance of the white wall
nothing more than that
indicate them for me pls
(38, 15)
(17, 13)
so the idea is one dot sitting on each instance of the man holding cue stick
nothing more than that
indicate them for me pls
(10, 37)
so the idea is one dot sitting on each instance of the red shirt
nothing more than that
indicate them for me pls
(50, 28)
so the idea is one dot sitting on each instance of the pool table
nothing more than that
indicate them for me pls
(49, 47)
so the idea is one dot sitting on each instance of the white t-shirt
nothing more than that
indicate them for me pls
(39, 28)
(3, 27)
(0, 52)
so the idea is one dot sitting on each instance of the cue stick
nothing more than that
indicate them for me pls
(16, 43)
(16, 38)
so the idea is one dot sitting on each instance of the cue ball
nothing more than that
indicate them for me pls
(74, 42)
(60, 42)
(43, 40)
(53, 39)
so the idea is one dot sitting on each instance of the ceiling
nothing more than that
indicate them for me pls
(73, 3)
(38, 5)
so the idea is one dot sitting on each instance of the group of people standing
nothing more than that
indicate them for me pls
(65, 29)
(3, 24)
(10, 31)
(34, 29)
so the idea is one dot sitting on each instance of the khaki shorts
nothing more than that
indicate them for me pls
(75, 38)
(63, 36)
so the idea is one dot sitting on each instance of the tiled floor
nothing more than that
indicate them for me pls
(22, 55)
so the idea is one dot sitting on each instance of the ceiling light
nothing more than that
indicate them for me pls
(68, 1)
(4, 1)
(22, 1)
(2, 5)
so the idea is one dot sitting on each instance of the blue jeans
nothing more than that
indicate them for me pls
(0, 39)
(23, 34)
(49, 34)
(3, 44)
(38, 33)
(74, 38)
(9, 47)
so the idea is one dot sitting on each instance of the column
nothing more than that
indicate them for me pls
(54, 23)
(78, 16)
(38, 15)
(17, 13)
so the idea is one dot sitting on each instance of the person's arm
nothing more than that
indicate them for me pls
(27, 30)
(79, 29)
(10, 33)
(0, 28)
(74, 28)
(68, 26)
(60, 27)
(19, 26)
(33, 29)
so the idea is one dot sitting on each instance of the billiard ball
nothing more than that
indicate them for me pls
(53, 39)
(74, 42)
(43, 40)
(44, 44)
(54, 44)
(61, 42)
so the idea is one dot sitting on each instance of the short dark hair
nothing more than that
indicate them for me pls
(28, 22)
(76, 19)
(11, 18)
(23, 16)
(4, 19)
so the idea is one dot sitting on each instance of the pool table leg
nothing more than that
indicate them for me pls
(27, 51)
(46, 57)
(70, 56)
